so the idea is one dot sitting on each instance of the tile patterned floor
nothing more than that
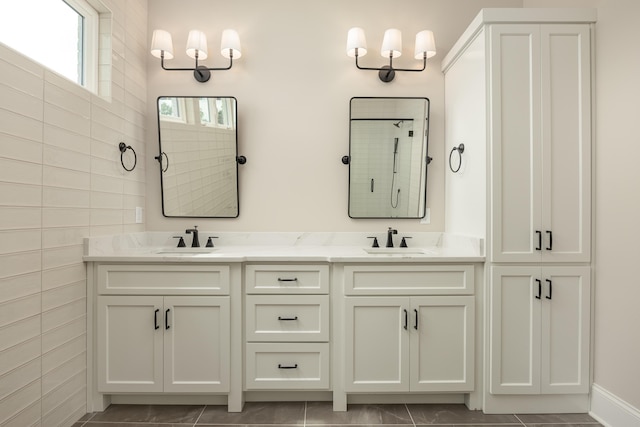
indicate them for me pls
(256, 414)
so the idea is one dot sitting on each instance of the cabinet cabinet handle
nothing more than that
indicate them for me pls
(539, 247)
(287, 367)
(287, 318)
(416, 325)
(155, 318)
(166, 319)
(280, 279)
(550, 288)
(550, 247)
(406, 319)
(539, 288)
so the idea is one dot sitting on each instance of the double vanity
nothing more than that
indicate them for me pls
(282, 316)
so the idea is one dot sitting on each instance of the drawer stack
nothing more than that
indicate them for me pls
(287, 327)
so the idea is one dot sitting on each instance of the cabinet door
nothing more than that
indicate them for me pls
(515, 330)
(516, 148)
(565, 330)
(377, 344)
(442, 343)
(129, 344)
(196, 344)
(566, 137)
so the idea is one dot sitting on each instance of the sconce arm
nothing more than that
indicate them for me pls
(391, 67)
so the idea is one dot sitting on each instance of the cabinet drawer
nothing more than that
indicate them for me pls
(408, 279)
(289, 279)
(287, 318)
(283, 366)
(163, 279)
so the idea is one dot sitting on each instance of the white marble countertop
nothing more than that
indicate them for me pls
(341, 247)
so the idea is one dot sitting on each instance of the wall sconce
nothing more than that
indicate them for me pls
(162, 47)
(391, 48)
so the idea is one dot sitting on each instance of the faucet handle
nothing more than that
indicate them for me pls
(375, 241)
(180, 242)
(210, 241)
(403, 244)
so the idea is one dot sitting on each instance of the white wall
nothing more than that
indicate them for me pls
(61, 180)
(293, 86)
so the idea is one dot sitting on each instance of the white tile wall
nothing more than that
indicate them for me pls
(61, 180)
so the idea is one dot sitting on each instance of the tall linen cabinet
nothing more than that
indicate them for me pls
(518, 96)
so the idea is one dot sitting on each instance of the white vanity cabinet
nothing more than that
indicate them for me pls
(162, 328)
(409, 328)
(287, 327)
(539, 330)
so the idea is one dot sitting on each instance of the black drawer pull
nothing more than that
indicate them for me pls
(416, 325)
(550, 288)
(539, 247)
(280, 279)
(539, 288)
(287, 367)
(155, 318)
(287, 318)
(406, 319)
(166, 319)
(550, 247)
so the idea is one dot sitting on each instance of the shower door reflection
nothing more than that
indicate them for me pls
(388, 157)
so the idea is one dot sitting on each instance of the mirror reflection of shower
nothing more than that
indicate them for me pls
(395, 171)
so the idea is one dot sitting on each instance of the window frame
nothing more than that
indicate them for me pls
(90, 43)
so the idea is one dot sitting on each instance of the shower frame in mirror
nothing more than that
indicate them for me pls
(198, 142)
(388, 157)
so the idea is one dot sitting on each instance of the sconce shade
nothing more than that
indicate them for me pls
(356, 40)
(425, 42)
(161, 41)
(230, 43)
(197, 42)
(391, 43)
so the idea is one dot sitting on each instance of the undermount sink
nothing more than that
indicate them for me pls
(395, 251)
(186, 251)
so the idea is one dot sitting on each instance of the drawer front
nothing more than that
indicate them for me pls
(287, 318)
(455, 279)
(286, 366)
(287, 279)
(163, 279)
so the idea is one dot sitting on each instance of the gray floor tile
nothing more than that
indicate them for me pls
(177, 414)
(270, 413)
(563, 425)
(555, 418)
(319, 413)
(125, 424)
(456, 414)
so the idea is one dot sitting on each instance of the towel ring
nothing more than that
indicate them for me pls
(159, 159)
(460, 150)
(123, 148)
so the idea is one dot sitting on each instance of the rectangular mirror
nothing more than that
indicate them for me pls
(388, 157)
(198, 156)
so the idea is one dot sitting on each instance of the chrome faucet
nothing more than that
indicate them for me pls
(195, 243)
(390, 233)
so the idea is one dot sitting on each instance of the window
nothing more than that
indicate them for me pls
(60, 34)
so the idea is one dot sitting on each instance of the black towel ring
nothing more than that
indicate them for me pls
(124, 147)
(460, 150)
(159, 159)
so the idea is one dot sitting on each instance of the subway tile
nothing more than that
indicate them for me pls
(20, 103)
(18, 332)
(105, 150)
(56, 277)
(18, 355)
(66, 178)
(19, 286)
(64, 333)
(21, 126)
(106, 217)
(61, 158)
(14, 76)
(58, 257)
(67, 236)
(62, 315)
(58, 376)
(19, 378)
(12, 194)
(20, 241)
(65, 94)
(132, 201)
(21, 62)
(63, 354)
(106, 118)
(20, 172)
(56, 197)
(69, 410)
(17, 148)
(63, 138)
(106, 200)
(15, 403)
(29, 416)
(67, 120)
(62, 295)
(20, 263)
(133, 228)
(106, 167)
(19, 309)
(65, 217)
(12, 218)
(105, 230)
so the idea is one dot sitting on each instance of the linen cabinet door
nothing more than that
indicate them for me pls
(516, 147)
(566, 136)
(442, 343)
(129, 343)
(196, 344)
(515, 330)
(377, 344)
(565, 330)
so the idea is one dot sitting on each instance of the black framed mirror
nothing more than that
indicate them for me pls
(388, 157)
(198, 142)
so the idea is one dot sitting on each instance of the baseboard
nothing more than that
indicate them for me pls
(611, 411)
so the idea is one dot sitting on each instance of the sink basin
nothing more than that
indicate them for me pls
(186, 251)
(395, 251)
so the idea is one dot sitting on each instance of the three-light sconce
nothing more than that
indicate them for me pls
(162, 47)
(425, 47)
